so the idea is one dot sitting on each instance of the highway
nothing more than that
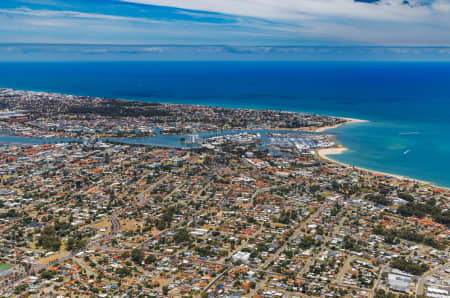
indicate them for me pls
(115, 225)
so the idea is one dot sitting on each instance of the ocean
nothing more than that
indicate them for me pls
(407, 103)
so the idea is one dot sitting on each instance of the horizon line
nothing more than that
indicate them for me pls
(225, 45)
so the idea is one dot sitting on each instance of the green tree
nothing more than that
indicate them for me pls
(137, 255)
(181, 236)
(49, 239)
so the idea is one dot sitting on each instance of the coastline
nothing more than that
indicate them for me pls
(325, 153)
(322, 153)
(348, 121)
(323, 128)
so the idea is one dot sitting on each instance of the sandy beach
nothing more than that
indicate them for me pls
(348, 121)
(324, 154)
(323, 128)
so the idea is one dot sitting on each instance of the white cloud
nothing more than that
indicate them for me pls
(387, 22)
(48, 14)
(294, 10)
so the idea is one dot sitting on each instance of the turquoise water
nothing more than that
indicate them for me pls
(407, 150)
(407, 104)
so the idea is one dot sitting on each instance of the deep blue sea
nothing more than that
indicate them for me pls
(407, 103)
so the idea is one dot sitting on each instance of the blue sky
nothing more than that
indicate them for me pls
(420, 24)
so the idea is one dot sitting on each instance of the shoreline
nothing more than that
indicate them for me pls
(323, 128)
(325, 153)
(322, 153)
(348, 121)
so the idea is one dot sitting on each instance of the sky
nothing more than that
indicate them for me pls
(412, 29)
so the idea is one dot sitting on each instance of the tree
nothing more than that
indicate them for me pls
(150, 259)
(48, 239)
(48, 274)
(406, 196)
(137, 256)
(409, 266)
(74, 243)
(165, 290)
(379, 199)
(181, 236)
(307, 242)
(107, 158)
(123, 271)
